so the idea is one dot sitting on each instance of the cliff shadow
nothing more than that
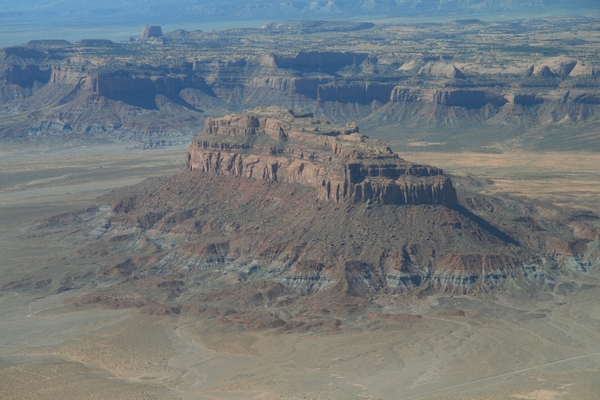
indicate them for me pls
(147, 100)
(483, 224)
(181, 102)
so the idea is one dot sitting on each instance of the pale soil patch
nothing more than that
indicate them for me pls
(57, 379)
(540, 395)
(50, 181)
(569, 179)
(424, 144)
(133, 345)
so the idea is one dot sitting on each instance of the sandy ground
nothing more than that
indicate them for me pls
(567, 179)
(499, 347)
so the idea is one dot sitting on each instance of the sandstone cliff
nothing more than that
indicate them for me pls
(25, 76)
(340, 163)
(120, 82)
(355, 92)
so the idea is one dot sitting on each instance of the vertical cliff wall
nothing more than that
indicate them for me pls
(339, 162)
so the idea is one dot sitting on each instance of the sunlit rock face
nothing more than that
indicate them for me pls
(340, 163)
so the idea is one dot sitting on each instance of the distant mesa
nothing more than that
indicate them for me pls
(412, 65)
(316, 26)
(48, 43)
(461, 22)
(22, 52)
(151, 31)
(95, 43)
(269, 26)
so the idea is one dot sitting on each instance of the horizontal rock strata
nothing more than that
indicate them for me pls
(340, 163)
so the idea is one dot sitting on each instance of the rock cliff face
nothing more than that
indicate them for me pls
(120, 82)
(463, 98)
(341, 164)
(303, 86)
(25, 76)
(355, 92)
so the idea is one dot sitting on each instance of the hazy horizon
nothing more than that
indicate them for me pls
(117, 21)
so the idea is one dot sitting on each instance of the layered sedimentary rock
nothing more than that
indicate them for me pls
(112, 84)
(26, 75)
(464, 98)
(116, 84)
(355, 92)
(340, 163)
(304, 86)
(389, 76)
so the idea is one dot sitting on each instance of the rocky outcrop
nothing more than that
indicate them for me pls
(582, 69)
(69, 75)
(151, 31)
(555, 66)
(544, 71)
(525, 99)
(236, 233)
(340, 163)
(402, 94)
(167, 81)
(441, 70)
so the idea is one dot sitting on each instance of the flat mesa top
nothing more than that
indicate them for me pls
(276, 128)
(301, 122)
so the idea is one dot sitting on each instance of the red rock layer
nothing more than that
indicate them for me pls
(340, 163)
